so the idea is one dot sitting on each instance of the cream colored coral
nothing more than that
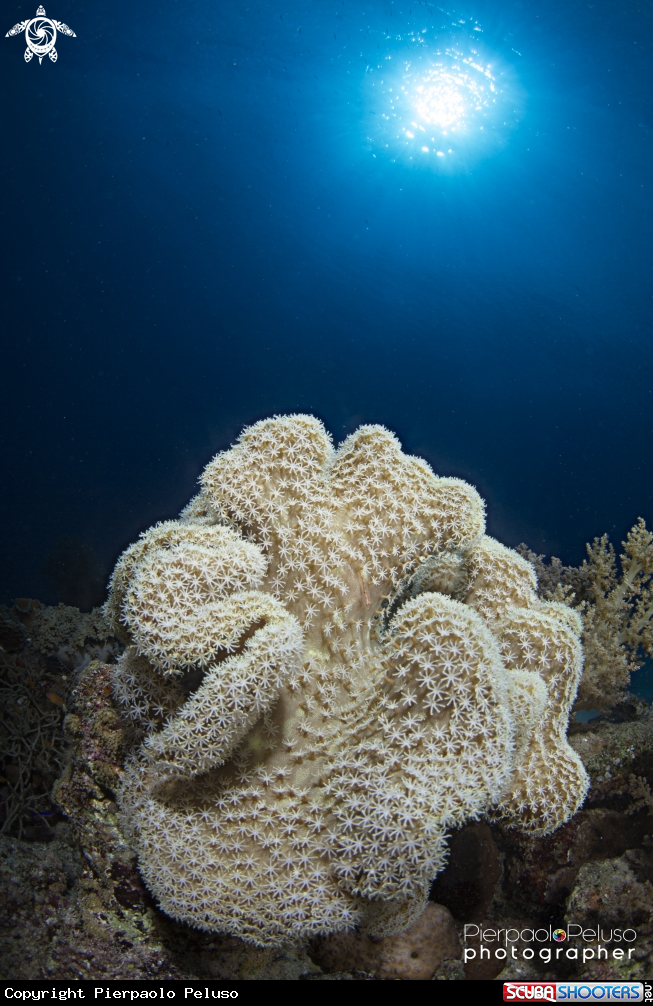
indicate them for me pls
(540, 645)
(549, 782)
(307, 784)
(616, 606)
(414, 768)
(146, 695)
(498, 579)
(184, 574)
(618, 620)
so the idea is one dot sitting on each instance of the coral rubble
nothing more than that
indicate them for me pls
(332, 665)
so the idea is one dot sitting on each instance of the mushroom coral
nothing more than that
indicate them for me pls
(333, 666)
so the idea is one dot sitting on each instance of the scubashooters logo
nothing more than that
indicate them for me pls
(508, 944)
(40, 35)
(110, 992)
(574, 991)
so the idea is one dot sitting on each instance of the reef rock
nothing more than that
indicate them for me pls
(413, 955)
(75, 906)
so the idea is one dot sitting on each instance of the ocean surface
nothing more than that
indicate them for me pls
(213, 212)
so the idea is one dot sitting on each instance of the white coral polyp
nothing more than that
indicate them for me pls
(176, 599)
(306, 785)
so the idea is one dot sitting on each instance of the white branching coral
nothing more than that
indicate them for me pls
(370, 670)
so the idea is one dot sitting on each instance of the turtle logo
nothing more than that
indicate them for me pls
(40, 35)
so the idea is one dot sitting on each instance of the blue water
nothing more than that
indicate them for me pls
(202, 225)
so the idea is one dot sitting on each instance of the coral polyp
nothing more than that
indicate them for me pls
(333, 665)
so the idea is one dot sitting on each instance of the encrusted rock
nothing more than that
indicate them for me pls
(413, 955)
(616, 896)
(612, 752)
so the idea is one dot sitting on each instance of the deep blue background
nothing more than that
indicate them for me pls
(195, 234)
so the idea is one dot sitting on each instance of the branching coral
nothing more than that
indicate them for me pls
(617, 621)
(617, 611)
(370, 670)
(640, 790)
(72, 636)
(32, 747)
(32, 695)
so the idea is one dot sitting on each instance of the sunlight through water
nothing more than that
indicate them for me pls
(442, 100)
